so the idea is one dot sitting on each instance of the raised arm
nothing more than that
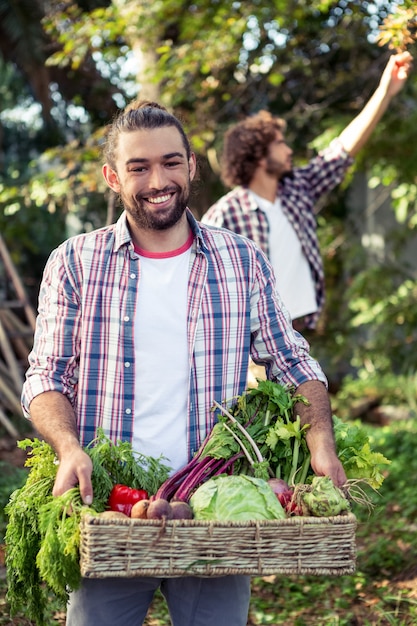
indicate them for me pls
(393, 79)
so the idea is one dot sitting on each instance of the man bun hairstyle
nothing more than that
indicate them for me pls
(140, 115)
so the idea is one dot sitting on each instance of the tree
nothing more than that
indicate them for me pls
(314, 62)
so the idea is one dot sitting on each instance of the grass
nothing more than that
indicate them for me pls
(383, 590)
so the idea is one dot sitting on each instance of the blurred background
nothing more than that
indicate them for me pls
(67, 67)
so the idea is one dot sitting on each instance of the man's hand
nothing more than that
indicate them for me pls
(54, 418)
(325, 462)
(393, 78)
(396, 73)
(320, 436)
(75, 468)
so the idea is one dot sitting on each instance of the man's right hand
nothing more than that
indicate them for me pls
(75, 468)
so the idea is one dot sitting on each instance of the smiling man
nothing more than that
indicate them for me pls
(142, 325)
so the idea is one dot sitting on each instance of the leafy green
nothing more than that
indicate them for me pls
(42, 535)
(236, 497)
(355, 453)
(323, 498)
(267, 415)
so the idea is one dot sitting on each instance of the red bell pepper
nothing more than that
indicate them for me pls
(122, 498)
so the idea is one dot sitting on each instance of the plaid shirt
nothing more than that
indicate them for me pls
(239, 212)
(84, 343)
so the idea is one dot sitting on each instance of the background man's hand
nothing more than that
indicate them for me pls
(396, 72)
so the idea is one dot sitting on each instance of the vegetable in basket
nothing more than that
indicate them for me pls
(322, 498)
(259, 435)
(122, 498)
(236, 498)
(43, 535)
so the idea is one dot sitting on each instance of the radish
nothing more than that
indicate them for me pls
(284, 493)
(278, 485)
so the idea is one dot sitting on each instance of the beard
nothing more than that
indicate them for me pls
(277, 168)
(154, 218)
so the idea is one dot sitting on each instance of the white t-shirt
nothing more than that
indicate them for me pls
(294, 281)
(161, 356)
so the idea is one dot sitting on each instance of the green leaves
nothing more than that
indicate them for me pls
(117, 463)
(354, 451)
(43, 536)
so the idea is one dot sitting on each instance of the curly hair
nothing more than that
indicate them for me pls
(139, 115)
(245, 144)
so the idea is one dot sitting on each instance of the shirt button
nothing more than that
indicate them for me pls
(126, 318)
(128, 411)
(133, 276)
(127, 364)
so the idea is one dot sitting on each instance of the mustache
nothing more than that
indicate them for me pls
(156, 192)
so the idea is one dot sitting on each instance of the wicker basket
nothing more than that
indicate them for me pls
(298, 545)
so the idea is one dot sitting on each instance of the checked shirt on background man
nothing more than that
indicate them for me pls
(299, 192)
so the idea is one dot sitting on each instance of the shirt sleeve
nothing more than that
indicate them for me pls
(326, 170)
(275, 344)
(53, 361)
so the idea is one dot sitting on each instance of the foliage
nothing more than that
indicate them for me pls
(43, 532)
(314, 63)
(378, 389)
(11, 478)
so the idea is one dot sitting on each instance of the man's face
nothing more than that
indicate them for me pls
(153, 177)
(279, 159)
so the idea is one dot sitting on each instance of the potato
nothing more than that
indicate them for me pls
(140, 509)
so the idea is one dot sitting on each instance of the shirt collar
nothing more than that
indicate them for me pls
(245, 196)
(122, 233)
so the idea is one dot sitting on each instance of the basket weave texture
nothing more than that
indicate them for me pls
(298, 545)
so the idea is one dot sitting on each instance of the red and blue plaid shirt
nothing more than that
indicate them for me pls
(299, 193)
(84, 339)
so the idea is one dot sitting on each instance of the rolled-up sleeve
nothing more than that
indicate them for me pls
(54, 359)
(284, 352)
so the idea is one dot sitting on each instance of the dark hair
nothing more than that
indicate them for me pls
(245, 144)
(139, 114)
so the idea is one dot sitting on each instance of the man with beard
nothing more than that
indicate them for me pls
(274, 203)
(142, 325)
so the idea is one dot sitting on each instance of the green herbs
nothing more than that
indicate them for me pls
(267, 414)
(42, 535)
(354, 451)
(260, 435)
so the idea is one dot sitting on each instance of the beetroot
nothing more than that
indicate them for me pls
(278, 485)
(181, 510)
(284, 493)
(159, 509)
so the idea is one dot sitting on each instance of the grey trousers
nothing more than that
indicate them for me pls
(191, 601)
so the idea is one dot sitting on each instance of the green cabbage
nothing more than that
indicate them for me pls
(237, 498)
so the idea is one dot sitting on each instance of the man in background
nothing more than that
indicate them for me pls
(273, 203)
